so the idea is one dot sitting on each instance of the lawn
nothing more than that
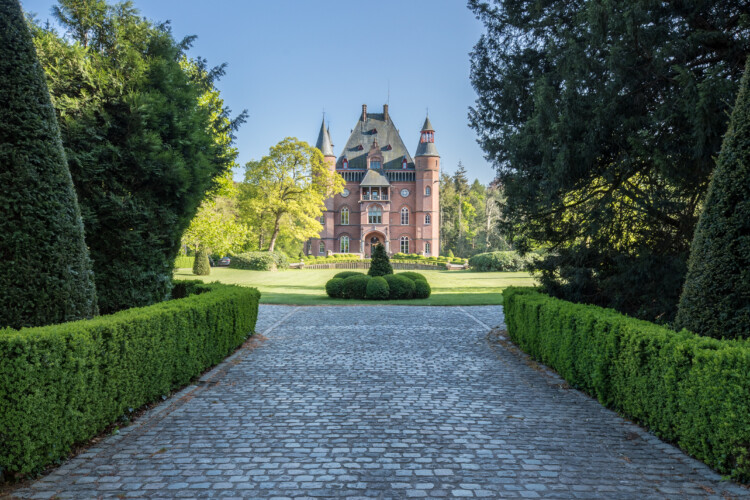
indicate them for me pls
(306, 287)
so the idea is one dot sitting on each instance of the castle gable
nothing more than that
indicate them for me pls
(373, 127)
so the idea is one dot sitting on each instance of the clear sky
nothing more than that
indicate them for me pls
(289, 60)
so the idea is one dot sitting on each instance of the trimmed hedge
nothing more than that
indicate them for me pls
(380, 264)
(201, 264)
(345, 274)
(63, 384)
(422, 289)
(260, 261)
(498, 261)
(400, 286)
(355, 287)
(414, 276)
(335, 288)
(691, 390)
(377, 289)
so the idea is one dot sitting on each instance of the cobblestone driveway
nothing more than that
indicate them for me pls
(387, 402)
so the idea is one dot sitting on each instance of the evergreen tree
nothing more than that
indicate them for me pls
(201, 265)
(146, 136)
(603, 120)
(716, 297)
(46, 274)
(380, 265)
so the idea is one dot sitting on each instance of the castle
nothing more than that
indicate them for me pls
(390, 198)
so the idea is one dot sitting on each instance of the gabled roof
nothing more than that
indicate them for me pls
(389, 141)
(373, 178)
(324, 141)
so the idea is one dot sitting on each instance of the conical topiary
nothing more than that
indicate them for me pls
(380, 265)
(716, 296)
(46, 275)
(201, 265)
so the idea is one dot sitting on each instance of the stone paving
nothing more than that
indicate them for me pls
(381, 402)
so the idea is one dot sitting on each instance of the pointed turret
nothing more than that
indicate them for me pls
(324, 140)
(426, 145)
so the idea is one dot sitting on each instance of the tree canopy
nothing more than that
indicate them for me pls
(603, 119)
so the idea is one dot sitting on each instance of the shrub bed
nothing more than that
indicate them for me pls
(401, 286)
(260, 261)
(65, 383)
(498, 261)
(690, 390)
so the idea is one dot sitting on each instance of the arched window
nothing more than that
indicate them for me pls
(427, 191)
(404, 216)
(344, 244)
(404, 244)
(427, 249)
(404, 163)
(374, 215)
(345, 163)
(345, 216)
(427, 219)
(322, 248)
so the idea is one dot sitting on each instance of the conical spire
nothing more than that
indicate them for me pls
(426, 145)
(324, 141)
(427, 127)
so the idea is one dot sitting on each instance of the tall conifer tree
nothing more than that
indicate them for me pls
(716, 297)
(46, 273)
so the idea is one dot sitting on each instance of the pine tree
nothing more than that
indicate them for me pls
(46, 275)
(380, 265)
(201, 265)
(716, 297)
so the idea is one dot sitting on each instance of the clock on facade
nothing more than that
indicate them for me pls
(345, 193)
(404, 193)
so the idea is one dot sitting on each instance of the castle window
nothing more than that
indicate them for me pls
(375, 194)
(344, 216)
(374, 215)
(323, 219)
(427, 191)
(404, 244)
(427, 219)
(344, 244)
(322, 248)
(375, 164)
(309, 248)
(345, 163)
(427, 249)
(404, 163)
(404, 216)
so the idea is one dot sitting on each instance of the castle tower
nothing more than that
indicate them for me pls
(427, 165)
(325, 146)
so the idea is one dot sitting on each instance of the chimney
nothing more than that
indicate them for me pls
(364, 112)
(385, 113)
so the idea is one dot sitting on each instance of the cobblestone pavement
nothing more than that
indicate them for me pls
(386, 402)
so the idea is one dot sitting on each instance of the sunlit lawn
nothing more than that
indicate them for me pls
(307, 287)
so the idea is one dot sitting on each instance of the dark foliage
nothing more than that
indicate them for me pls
(355, 287)
(716, 297)
(335, 288)
(345, 274)
(603, 120)
(377, 289)
(380, 265)
(400, 286)
(412, 275)
(141, 150)
(499, 261)
(422, 289)
(46, 273)
(88, 374)
(260, 261)
(201, 264)
(687, 389)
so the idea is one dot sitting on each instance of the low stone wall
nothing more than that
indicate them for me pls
(366, 265)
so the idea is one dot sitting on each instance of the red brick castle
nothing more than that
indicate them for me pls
(390, 197)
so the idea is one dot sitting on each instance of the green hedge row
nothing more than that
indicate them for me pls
(498, 261)
(65, 383)
(401, 286)
(260, 261)
(690, 390)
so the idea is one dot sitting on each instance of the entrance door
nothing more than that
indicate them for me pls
(374, 241)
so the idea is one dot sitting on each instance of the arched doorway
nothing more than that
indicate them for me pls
(371, 240)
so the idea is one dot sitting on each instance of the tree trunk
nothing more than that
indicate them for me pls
(276, 229)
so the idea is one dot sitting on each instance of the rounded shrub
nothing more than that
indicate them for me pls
(400, 287)
(345, 274)
(355, 287)
(422, 289)
(201, 265)
(413, 276)
(335, 288)
(377, 289)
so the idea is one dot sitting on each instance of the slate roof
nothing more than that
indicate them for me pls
(374, 178)
(427, 149)
(427, 127)
(391, 146)
(324, 143)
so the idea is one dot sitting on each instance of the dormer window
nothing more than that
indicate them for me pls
(375, 164)
(345, 163)
(404, 163)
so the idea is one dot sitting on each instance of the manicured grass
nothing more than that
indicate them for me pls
(306, 287)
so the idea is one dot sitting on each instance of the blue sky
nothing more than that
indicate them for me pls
(289, 60)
